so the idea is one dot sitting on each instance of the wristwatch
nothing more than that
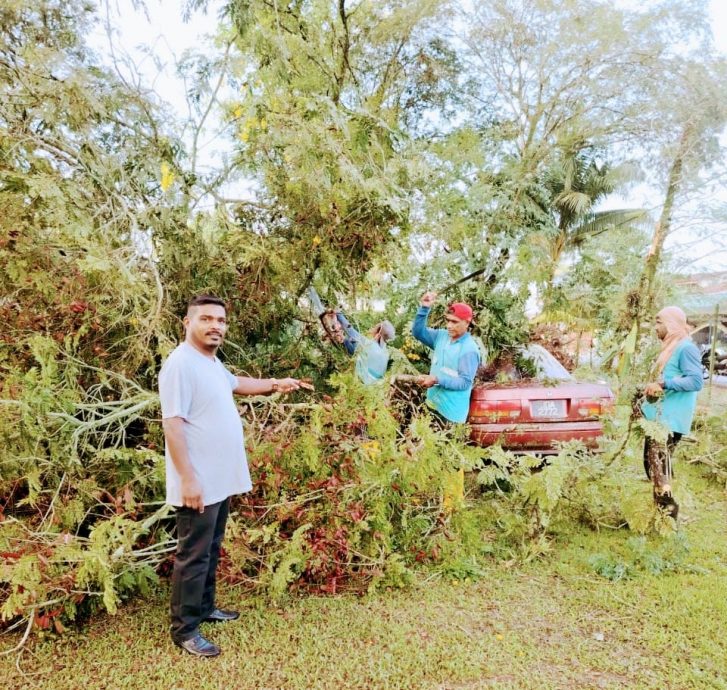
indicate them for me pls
(274, 385)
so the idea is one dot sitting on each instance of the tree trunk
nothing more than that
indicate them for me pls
(646, 291)
(642, 301)
(555, 253)
(578, 348)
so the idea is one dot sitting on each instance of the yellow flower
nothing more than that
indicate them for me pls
(168, 176)
(248, 126)
(453, 497)
(372, 448)
(316, 241)
(237, 112)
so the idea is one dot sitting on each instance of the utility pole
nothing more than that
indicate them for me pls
(713, 351)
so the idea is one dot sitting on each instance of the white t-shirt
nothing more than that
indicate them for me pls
(199, 390)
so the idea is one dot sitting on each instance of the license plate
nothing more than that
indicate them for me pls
(547, 408)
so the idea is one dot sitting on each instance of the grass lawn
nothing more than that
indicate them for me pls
(552, 623)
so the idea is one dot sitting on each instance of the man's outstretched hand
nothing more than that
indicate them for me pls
(289, 385)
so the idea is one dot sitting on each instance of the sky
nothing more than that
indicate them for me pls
(160, 31)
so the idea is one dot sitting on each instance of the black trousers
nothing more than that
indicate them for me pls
(193, 579)
(665, 452)
(657, 462)
(438, 421)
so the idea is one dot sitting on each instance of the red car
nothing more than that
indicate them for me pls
(535, 414)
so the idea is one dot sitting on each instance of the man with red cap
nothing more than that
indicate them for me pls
(455, 359)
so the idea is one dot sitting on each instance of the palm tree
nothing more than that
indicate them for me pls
(574, 185)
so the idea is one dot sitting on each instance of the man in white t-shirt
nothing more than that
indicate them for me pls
(205, 463)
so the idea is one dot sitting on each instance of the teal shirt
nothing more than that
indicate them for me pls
(371, 360)
(454, 363)
(682, 382)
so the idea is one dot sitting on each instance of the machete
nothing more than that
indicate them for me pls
(474, 274)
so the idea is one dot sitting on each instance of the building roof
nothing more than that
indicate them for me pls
(705, 304)
(702, 292)
(716, 281)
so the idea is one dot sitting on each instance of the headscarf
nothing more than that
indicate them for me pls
(675, 321)
(384, 330)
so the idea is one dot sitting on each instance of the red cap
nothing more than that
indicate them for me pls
(460, 310)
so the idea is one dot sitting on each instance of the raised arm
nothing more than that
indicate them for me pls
(419, 330)
(350, 342)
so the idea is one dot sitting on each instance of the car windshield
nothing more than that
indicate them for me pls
(548, 366)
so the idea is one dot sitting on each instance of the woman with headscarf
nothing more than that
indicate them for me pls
(372, 355)
(671, 399)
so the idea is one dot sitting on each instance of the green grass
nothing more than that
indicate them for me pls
(553, 623)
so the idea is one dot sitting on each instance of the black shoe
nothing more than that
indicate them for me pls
(198, 646)
(668, 505)
(221, 616)
(672, 509)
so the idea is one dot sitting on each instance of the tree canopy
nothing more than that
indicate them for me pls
(372, 149)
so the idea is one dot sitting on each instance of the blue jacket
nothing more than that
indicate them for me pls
(372, 358)
(682, 382)
(454, 363)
